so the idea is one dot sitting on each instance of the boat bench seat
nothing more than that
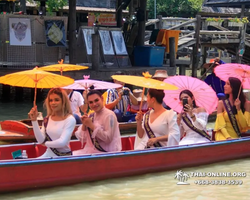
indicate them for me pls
(128, 143)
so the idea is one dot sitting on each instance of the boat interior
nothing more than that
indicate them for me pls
(35, 150)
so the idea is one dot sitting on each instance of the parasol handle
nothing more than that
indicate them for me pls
(142, 95)
(240, 89)
(34, 102)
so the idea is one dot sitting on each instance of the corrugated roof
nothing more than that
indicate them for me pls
(227, 3)
(85, 9)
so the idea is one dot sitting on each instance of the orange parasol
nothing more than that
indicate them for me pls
(35, 78)
(144, 81)
(63, 67)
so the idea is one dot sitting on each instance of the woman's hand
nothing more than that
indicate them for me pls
(86, 121)
(229, 138)
(188, 110)
(33, 113)
(151, 142)
(237, 103)
(139, 116)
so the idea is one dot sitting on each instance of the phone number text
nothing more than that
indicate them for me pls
(218, 182)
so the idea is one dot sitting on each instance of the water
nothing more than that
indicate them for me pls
(158, 186)
(17, 111)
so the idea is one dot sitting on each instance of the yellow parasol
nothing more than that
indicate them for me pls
(63, 67)
(35, 78)
(144, 81)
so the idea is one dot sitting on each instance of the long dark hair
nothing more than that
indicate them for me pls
(235, 84)
(189, 93)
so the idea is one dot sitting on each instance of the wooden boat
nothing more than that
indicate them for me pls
(26, 174)
(13, 130)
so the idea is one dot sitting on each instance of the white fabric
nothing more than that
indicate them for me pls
(106, 132)
(165, 124)
(193, 137)
(76, 101)
(59, 131)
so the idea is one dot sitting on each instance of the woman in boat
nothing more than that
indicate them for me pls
(158, 127)
(192, 121)
(232, 113)
(58, 126)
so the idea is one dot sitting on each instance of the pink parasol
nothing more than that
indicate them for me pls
(87, 83)
(237, 70)
(204, 95)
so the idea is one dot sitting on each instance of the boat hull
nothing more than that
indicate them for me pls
(39, 173)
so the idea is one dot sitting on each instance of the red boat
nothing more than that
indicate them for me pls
(26, 174)
(13, 130)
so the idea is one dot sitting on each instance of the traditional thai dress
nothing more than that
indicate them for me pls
(164, 124)
(191, 136)
(224, 128)
(60, 133)
(106, 136)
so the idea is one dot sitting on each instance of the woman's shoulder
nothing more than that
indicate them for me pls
(69, 117)
(200, 110)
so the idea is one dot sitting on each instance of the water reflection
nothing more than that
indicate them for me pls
(17, 111)
(158, 186)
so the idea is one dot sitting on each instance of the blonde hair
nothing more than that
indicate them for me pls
(66, 108)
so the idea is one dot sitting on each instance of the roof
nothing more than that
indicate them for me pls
(227, 3)
(84, 9)
(97, 3)
(222, 10)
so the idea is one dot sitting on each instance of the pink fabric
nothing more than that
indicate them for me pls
(106, 132)
(204, 95)
(236, 70)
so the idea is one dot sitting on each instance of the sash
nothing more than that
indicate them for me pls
(188, 122)
(231, 116)
(94, 141)
(148, 130)
(47, 138)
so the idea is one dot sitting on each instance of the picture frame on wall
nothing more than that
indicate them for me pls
(87, 34)
(20, 31)
(119, 44)
(106, 41)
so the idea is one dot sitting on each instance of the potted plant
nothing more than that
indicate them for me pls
(212, 21)
(238, 22)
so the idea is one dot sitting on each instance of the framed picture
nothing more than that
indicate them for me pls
(87, 34)
(119, 44)
(20, 32)
(55, 33)
(106, 42)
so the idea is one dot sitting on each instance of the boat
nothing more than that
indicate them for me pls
(31, 173)
(22, 130)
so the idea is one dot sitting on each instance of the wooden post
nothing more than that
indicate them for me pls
(159, 26)
(72, 31)
(119, 14)
(95, 52)
(23, 6)
(242, 37)
(196, 46)
(172, 52)
(6, 93)
(141, 28)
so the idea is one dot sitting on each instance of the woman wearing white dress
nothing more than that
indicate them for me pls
(158, 127)
(58, 126)
(192, 121)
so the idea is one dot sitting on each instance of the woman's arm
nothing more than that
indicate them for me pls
(200, 118)
(173, 129)
(139, 119)
(39, 133)
(107, 132)
(220, 123)
(65, 137)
